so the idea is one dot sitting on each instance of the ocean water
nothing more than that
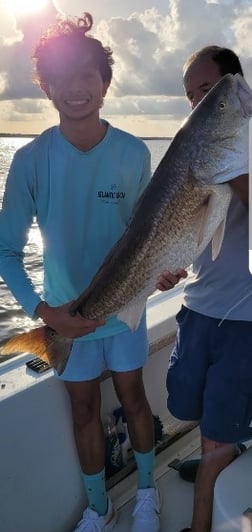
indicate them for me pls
(13, 320)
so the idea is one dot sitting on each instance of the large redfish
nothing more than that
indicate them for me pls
(180, 212)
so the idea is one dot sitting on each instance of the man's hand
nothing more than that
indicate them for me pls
(60, 319)
(168, 280)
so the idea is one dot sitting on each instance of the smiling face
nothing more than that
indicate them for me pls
(199, 77)
(76, 87)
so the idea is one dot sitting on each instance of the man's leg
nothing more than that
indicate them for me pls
(130, 391)
(89, 436)
(215, 457)
(85, 400)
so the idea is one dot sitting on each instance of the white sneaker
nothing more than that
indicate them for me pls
(93, 522)
(146, 511)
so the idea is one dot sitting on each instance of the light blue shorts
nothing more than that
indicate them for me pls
(123, 352)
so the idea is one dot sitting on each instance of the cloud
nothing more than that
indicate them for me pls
(16, 51)
(150, 46)
(150, 49)
(105, 9)
(155, 105)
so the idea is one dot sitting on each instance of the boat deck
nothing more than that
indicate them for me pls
(176, 494)
(41, 488)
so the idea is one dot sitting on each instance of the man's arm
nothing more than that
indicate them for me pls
(16, 217)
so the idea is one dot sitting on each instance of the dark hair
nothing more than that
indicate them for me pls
(59, 38)
(227, 61)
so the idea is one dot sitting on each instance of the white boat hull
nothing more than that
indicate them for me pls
(41, 489)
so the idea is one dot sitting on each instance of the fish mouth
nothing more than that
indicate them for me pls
(244, 94)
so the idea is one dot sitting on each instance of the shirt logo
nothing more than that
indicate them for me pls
(111, 196)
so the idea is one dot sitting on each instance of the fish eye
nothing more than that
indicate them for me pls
(222, 106)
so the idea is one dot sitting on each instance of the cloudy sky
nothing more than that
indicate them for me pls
(150, 39)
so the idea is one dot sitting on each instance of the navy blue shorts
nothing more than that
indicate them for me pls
(209, 376)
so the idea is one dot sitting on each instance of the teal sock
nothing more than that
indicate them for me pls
(145, 466)
(96, 492)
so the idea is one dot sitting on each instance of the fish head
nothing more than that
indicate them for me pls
(219, 127)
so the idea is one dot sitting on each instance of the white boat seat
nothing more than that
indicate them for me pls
(232, 509)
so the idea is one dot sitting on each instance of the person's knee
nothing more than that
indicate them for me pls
(130, 391)
(216, 457)
(85, 398)
(135, 404)
(134, 400)
(84, 412)
(85, 408)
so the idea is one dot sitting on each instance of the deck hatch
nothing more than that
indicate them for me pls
(38, 365)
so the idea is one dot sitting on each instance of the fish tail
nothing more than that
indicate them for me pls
(30, 342)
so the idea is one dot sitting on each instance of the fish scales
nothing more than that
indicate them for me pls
(139, 278)
(178, 214)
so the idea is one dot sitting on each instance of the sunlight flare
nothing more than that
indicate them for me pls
(26, 6)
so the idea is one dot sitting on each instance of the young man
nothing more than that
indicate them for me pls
(58, 178)
(211, 361)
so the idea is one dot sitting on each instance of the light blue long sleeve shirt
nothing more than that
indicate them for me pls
(82, 202)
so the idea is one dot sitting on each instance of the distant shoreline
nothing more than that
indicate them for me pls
(18, 135)
(30, 135)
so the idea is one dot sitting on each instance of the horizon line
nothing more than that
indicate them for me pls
(37, 134)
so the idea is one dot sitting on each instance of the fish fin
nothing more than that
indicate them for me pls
(131, 315)
(220, 195)
(203, 216)
(36, 342)
(32, 341)
(217, 239)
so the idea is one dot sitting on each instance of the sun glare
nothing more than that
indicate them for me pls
(26, 6)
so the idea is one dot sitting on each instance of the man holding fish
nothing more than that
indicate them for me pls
(210, 371)
(81, 181)
(178, 213)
